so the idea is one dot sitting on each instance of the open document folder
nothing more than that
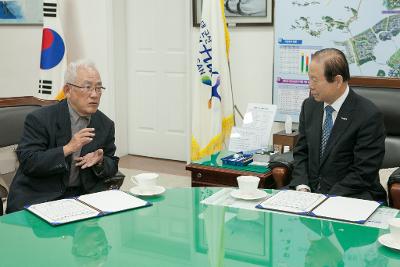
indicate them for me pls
(86, 206)
(319, 205)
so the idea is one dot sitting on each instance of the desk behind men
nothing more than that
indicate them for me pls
(211, 172)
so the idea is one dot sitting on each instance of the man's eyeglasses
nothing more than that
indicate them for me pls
(89, 88)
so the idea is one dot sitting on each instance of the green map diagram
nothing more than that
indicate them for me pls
(362, 29)
(367, 31)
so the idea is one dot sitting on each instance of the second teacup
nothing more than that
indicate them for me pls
(394, 226)
(248, 184)
(145, 180)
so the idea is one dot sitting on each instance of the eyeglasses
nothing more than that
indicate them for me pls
(89, 88)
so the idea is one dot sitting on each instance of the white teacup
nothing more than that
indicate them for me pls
(248, 184)
(145, 180)
(394, 226)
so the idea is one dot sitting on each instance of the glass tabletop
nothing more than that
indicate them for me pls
(179, 231)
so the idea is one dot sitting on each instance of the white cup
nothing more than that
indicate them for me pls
(394, 226)
(145, 180)
(248, 184)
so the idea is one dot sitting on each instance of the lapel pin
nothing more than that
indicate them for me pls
(343, 118)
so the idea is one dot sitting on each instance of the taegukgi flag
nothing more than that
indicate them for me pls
(212, 113)
(53, 60)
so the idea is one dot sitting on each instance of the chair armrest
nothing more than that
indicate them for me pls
(394, 195)
(281, 166)
(115, 181)
(281, 176)
(3, 196)
(3, 192)
(394, 189)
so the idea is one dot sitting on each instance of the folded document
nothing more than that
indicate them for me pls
(319, 205)
(86, 206)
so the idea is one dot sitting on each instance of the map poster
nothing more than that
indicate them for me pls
(367, 31)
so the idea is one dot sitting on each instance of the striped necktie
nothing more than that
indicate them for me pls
(326, 128)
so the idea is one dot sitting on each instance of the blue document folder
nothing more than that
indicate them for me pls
(98, 204)
(322, 206)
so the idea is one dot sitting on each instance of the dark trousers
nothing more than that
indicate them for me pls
(72, 192)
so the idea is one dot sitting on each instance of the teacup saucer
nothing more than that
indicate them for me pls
(155, 190)
(256, 194)
(388, 241)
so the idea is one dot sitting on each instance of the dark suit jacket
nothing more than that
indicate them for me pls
(353, 154)
(43, 174)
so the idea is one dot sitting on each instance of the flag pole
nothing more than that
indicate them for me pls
(233, 99)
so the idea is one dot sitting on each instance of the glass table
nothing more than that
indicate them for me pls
(179, 231)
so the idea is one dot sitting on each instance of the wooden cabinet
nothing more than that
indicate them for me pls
(281, 139)
(214, 176)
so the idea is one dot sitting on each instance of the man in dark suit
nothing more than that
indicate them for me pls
(341, 142)
(66, 149)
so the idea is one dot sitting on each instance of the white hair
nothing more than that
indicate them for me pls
(71, 72)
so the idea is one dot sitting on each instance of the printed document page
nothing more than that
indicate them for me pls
(246, 139)
(63, 211)
(112, 201)
(293, 201)
(346, 209)
(256, 129)
(260, 116)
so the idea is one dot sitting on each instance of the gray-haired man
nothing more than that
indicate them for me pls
(66, 149)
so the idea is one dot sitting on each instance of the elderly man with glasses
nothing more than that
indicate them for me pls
(66, 149)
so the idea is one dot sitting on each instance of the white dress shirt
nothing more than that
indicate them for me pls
(336, 105)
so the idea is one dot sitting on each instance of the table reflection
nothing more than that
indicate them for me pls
(245, 234)
(87, 240)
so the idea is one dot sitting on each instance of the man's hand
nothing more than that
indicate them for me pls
(90, 159)
(79, 139)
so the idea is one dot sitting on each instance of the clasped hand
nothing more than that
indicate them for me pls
(81, 138)
(90, 159)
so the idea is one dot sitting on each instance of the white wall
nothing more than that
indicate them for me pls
(95, 29)
(251, 65)
(120, 76)
(252, 55)
(86, 36)
(87, 26)
(91, 28)
(20, 48)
